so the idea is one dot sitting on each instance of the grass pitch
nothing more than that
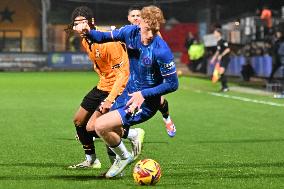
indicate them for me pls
(221, 141)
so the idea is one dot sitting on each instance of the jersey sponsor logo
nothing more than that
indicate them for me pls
(168, 66)
(117, 65)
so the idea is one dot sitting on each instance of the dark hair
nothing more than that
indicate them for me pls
(82, 11)
(134, 7)
(219, 30)
(217, 25)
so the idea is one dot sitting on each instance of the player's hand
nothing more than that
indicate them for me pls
(82, 28)
(105, 106)
(135, 102)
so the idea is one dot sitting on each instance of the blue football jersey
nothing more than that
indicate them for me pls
(150, 65)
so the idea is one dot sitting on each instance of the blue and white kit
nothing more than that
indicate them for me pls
(152, 71)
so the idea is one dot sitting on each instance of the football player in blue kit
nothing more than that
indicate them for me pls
(152, 75)
(134, 17)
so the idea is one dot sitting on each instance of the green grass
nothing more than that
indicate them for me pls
(220, 142)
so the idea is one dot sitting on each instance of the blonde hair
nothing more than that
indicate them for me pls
(153, 16)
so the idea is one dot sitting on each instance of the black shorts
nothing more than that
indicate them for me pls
(225, 62)
(93, 99)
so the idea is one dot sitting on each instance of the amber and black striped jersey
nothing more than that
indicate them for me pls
(111, 62)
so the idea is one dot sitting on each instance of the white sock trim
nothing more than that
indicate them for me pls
(121, 151)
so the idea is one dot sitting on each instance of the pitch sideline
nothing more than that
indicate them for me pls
(244, 99)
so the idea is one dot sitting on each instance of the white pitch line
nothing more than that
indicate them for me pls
(247, 99)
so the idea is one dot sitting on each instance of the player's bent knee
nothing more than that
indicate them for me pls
(90, 126)
(77, 122)
(99, 128)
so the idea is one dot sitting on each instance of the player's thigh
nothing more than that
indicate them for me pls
(89, 105)
(81, 117)
(110, 121)
(93, 118)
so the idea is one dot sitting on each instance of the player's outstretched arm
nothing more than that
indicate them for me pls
(100, 37)
(120, 34)
(96, 36)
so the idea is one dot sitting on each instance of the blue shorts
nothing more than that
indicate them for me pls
(147, 110)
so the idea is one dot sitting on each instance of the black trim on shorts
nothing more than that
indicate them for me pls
(93, 99)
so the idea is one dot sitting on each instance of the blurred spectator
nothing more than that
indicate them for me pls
(196, 54)
(278, 54)
(74, 43)
(267, 48)
(266, 16)
(257, 49)
(189, 40)
(247, 69)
